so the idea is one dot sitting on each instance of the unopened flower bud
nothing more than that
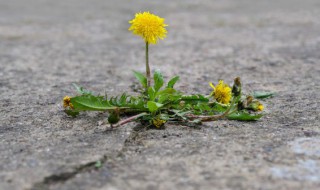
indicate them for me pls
(236, 89)
(249, 99)
(256, 106)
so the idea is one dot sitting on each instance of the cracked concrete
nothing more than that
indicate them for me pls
(48, 45)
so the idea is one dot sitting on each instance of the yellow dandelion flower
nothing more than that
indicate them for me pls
(67, 102)
(221, 92)
(149, 26)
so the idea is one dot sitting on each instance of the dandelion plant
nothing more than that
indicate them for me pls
(160, 103)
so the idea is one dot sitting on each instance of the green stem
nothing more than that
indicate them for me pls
(147, 66)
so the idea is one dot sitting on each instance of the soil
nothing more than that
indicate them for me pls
(48, 45)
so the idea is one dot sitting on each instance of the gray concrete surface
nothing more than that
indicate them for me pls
(45, 46)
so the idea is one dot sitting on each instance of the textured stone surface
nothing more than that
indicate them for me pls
(48, 45)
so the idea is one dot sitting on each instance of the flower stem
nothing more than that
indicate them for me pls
(130, 119)
(147, 66)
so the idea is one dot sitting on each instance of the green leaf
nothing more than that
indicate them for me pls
(165, 117)
(194, 98)
(141, 78)
(167, 98)
(81, 90)
(158, 80)
(151, 93)
(137, 103)
(167, 91)
(153, 106)
(219, 107)
(102, 103)
(262, 94)
(244, 116)
(163, 98)
(203, 107)
(123, 99)
(173, 81)
(180, 113)
(90, 103)
(168, 94)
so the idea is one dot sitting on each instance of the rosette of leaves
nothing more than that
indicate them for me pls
(162, 103)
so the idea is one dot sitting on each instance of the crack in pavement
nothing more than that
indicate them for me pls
(65, 176)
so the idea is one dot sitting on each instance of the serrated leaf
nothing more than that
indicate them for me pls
(173, 81)
(204, 107)
(168, 95)
(167, 98)
(113, 101)
(90, 103)
(158, 80)
(262, 94)
(244, 116)
(153, 106)
(123, 99)
(81, 90)
(141, 78)
(175, 97)
(194, 98)
(137, 103)
(180, 113)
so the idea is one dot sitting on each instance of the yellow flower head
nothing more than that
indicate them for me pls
(157, 122)
(260, 107)
(67, 102)
(221, 92)
(149, 26)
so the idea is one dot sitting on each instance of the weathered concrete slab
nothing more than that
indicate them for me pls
(48, 45)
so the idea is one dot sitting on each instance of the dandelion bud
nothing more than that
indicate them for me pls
(114, 117)
(255, 106)
(241, 105)
(236, 89)
(249, 99)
